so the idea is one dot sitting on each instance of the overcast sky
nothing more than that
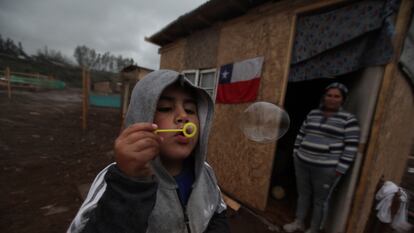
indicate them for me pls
(118, 27)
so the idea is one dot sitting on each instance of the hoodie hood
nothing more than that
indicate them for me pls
(142, 107)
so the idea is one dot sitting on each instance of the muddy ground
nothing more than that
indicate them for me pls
(45, 158)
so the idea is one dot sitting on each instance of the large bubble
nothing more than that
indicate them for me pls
(264, 122)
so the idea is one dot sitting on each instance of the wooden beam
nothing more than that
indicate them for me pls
(88, 86)
(234, 205)
(85, 97)
(318, 6)
(160, 38)
(8, 78)
(288, 60)
(365, 181)
(166, 37)
(126, 97)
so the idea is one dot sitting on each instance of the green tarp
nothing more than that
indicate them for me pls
(54, 84)
(113, 101)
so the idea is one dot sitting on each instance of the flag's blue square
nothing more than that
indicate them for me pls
(225, 73)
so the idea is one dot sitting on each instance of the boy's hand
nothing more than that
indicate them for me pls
(135, 147)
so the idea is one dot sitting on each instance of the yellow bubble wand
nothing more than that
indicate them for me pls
(189, 130)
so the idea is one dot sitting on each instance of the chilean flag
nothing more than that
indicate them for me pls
(239, 82)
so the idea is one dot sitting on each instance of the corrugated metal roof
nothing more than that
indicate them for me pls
(204, 16)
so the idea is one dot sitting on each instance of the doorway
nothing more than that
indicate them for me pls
(301, 98)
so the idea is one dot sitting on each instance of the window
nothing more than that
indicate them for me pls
(192, 75)
(205, 79)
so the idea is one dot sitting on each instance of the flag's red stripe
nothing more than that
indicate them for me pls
(239, 92)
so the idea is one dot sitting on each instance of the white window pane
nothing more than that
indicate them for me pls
(210, 92)
(207, 80)
(191, 77)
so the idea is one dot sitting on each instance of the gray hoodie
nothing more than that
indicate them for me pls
(117, 203)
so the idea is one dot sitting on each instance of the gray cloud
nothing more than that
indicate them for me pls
(118, 27)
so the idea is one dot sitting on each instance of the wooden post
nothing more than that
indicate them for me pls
(367, 180)
(125, 99)
(8, 78)
(88, 87)
(85, 97)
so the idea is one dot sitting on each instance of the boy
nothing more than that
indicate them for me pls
(160, 181)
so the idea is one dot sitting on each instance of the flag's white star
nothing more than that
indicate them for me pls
(224, 74)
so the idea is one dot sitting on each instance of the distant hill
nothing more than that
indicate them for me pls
(70, 74)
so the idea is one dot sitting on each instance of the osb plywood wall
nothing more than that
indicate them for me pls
(197, 51)
(244, 167)
(394, 143)
(201, 49)
(172, 56)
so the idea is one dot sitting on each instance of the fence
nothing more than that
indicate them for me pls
(28, 80)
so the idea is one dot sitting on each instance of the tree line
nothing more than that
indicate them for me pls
(97, 61)
(8, 46)
(84, 56)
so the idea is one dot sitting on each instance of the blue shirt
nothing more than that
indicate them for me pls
(185, 181)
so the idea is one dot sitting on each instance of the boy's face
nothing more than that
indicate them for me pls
(175, 108)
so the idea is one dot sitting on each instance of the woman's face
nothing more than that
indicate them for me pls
(333, 99)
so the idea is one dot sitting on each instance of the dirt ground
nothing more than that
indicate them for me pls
(45, 157)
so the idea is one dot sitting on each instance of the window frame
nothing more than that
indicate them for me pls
(198, 76)
(195, 72)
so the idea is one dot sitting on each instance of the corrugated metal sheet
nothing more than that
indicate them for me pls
(204, 16)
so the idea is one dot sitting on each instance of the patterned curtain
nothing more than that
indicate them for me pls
(343, 40)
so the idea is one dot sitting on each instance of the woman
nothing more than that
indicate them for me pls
(325, 147)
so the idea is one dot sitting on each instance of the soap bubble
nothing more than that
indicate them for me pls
(264, 122)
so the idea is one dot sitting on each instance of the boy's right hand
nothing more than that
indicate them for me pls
(135, 147)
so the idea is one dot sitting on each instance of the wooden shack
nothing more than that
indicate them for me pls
(222, 32)
(129, 76)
